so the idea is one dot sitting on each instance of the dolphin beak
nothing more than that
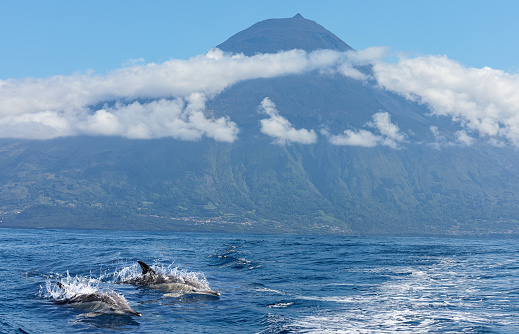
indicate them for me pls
(132, 312)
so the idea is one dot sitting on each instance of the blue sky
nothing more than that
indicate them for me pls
(46, 38)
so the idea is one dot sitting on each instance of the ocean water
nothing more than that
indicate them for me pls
(268, 284)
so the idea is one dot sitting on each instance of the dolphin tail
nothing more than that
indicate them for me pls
(145, 268)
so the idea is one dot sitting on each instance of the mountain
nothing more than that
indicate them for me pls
(273, 35)
(408, 187)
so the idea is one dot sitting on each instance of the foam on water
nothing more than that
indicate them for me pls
(441, 298)
(74, 286)
(126, 273)
(280, 305)
(261, 289)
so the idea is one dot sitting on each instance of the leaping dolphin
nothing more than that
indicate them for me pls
(97, 302)
(150, 278)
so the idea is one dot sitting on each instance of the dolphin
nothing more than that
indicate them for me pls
(150, 278)
(97, 302)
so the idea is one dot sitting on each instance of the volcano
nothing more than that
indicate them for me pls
(398, 183)
(274, 35)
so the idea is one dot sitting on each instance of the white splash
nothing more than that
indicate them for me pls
(126, 273)
(412, 301)
(77, 285)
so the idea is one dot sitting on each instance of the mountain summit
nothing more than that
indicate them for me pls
(274, 35)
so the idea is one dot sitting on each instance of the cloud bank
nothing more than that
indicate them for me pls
(63, 105)
(208, 74)
(484, 102)
(161, 118)
(281, 129)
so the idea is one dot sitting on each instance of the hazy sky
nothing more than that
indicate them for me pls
(46, 38)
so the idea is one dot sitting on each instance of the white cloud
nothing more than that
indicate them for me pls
(483, 100)
(382, 122)
(40, 125)
(390, 134)
(102, 122)
(463, 138)
(348, 66)
(160, 118)
(349, 71)
(439, 139)
(209, 74)
(281, 129)
(361, 137)
(61, 105)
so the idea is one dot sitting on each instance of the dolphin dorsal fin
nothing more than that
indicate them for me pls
(145, 268)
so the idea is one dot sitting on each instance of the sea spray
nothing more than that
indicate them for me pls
(127, 273)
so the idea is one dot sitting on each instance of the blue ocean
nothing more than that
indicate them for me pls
(268, 283)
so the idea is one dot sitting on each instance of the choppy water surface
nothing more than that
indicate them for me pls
(268, 284)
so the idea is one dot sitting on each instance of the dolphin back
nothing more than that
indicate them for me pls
(98, 302)
(145, 268)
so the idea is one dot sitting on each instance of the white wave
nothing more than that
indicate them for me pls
(280, 305)
(270, 290)
(438, 298)
(126, 273)
(77, 285)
